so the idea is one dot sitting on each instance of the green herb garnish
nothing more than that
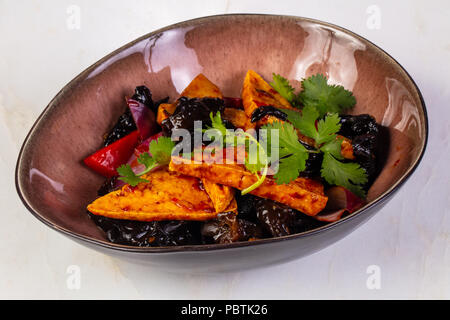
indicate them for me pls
(160, 151)
(319, 120)
(317, 93)
(349, 175)
(292, 153)
(284, 88)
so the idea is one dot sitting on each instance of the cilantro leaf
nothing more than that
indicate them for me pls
(161, 149)
(260, 165)
(255, 161)
(284, 88)
(305, 122)
(217, 124)
(128, 176)
(145, 159)
(292, 153)
(334, 148)
(324, 97)
(327, 128)
(293, 116)
(348, 175)
(289, 168)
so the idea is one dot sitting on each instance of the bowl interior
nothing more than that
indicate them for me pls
(56, 186)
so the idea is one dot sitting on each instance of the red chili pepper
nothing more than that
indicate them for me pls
(106, 160)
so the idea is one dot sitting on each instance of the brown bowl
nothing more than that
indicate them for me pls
(55, 186)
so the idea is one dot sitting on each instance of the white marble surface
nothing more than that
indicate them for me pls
(408, 240)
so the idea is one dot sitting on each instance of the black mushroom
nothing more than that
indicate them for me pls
(264, 111)
(364, 131)
(227, 228)
(190, 110)
(149, 234)
(124, 126)
(144, 96)
(280, 220)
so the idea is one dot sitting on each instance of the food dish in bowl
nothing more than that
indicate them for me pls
(56, 186)
(269, 164)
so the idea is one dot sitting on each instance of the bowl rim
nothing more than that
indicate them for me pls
(212, 247)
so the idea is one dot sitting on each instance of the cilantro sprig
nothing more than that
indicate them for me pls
(284, 88)
(292, 153)
(324, 97)
(319, 120)
(317, 93)
(349, 175)
(324, 131)
(160, 151)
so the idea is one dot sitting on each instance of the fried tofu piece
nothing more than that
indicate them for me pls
(232, 207)
(256, 92)
(200, 87)
(165, 110)
(167, 196)
(346, 148)
(220, 195)
(303, 194)
(237, 117)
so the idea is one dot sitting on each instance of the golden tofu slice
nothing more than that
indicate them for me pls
(221, 196)
(200, 87)
(346, 148)
(167, 196)
(303, 194)
(238, 118)
(256, 92)
(165, 110)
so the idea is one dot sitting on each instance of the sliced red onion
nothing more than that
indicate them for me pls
(330, 216)
(340, 201)
(143, 117)
(353, 202)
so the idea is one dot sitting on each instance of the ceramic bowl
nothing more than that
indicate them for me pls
(55, 186)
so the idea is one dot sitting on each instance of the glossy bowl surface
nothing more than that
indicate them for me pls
(56, 187)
